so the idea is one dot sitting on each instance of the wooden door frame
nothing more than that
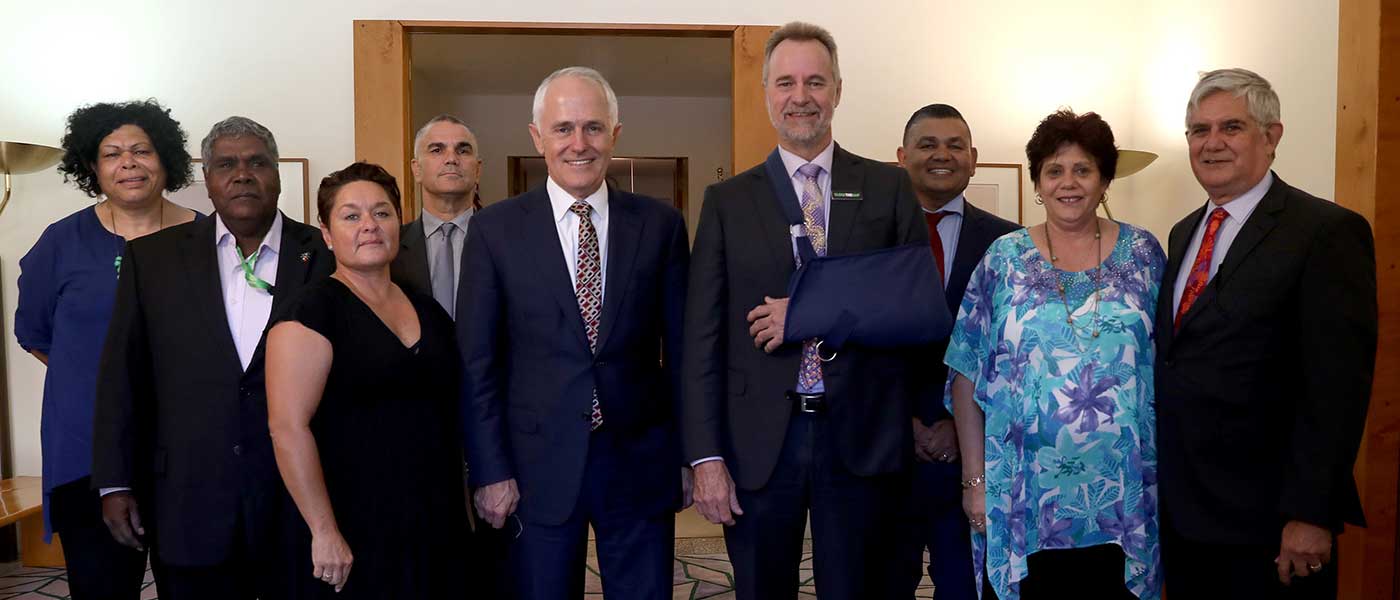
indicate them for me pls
(1368, 182)
(383, 84)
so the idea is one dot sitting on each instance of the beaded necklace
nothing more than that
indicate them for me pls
(1098, 282)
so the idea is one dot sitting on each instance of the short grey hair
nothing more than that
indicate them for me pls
(1262, 102)
(580, 72)
(799, 31)
(442, 118)
(236, 126)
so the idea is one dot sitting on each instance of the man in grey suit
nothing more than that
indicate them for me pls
(447, 162)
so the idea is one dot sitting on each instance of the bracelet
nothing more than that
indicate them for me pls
(968, 484)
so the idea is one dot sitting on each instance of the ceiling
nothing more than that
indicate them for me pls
(515, 64)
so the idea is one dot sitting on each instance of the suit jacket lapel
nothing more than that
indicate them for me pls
(541, 237)
(413, 256)
(965, 256)
(292, 273)
(624, 230)
(1177, 243)
(847, 175)
(199, 249)
(1254, 230)
(768, 212)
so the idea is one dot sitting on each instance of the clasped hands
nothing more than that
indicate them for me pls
(937, 442)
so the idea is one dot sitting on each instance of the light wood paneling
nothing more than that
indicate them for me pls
(382, 106)
(754, 136)
(1368, 181)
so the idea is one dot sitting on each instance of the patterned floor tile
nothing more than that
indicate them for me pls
(695, 577)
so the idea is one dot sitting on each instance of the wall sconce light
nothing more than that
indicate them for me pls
(19, 158)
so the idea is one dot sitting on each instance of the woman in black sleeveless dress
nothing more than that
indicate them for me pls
(362, 397)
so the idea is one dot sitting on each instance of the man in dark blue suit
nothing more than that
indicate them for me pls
(940, 158)
(570, 329)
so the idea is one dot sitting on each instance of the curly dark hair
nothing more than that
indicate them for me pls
(360, 171)
(88, 125)
(1089, 131)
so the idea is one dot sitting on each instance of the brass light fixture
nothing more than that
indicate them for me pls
(19, 158)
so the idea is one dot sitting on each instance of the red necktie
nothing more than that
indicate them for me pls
(1200, 270)
(934, 240)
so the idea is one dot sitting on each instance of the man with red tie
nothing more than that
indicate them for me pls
(1266, 347)
(938, 154)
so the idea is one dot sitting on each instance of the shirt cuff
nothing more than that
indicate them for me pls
(696, 463)
(112, 490)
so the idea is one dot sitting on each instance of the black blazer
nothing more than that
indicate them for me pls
(734, 405)
(177, 417)
(1262, 393)
(979, 229)
(410, 267)
(527, 391)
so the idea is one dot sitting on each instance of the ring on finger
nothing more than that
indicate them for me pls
(1315, 566)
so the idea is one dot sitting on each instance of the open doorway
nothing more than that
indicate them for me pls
(670, 60)
(673, 97)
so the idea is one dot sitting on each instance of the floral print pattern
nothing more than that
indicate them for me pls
(1070, 429)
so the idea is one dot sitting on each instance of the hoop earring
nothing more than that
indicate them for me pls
(1038, 200)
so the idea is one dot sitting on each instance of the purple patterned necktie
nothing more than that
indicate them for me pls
(589, 288)
(809, 374)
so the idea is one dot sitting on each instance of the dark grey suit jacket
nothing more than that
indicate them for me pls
(1262, 393)
(734, 404)
(178, 419)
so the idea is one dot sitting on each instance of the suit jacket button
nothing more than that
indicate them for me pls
(1167, 363)
(602, 363)
(237, 450)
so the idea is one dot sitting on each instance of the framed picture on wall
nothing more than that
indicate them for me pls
(996, 188)
(295, 201)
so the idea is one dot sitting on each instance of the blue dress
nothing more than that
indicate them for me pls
(1070, 447)
(67, 286)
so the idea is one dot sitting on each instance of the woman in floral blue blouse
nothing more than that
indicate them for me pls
(1051, 387)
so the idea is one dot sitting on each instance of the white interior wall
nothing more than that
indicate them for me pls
(1004, 63)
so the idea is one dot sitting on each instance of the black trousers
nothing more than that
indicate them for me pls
(1204, 571)
(98, 567)
(1093, 572)
(857, 550)
(258, 568)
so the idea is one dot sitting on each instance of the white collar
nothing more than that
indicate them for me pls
(954, 206)
(1243, 205)
(272, 240)
(560, 200)
(793, 162)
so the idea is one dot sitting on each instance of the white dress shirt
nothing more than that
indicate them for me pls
(566, 222)
(1239, 210)
(949, 229)
(247, 307)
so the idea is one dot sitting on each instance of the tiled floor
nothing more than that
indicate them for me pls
(41, 584)
(700, 576)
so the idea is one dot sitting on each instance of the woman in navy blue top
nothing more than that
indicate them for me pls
(130, 154)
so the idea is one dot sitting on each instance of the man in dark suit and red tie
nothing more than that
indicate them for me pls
(779, 431)
(939, 156)
(1266, 334)
(570, 327)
